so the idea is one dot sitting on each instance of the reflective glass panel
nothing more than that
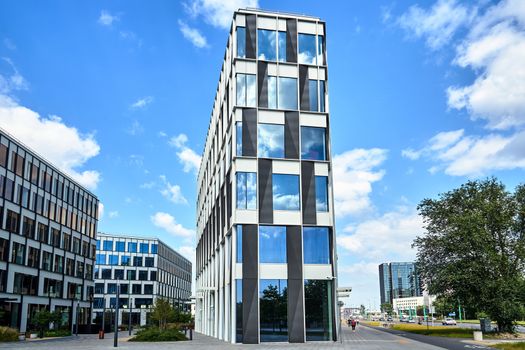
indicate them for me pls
(251, 90)
(144, 248)
(101, 259)
(241, 42)
(272, 244)
(132, 247)
(270, 140)
(108, 245)
(321, 193)
(238, 138)
(285, 192)
(272, 92)
(238, 310)
(313, 143)
(318, 309)
(306, 46)
(316, 245)
(281, 40)
(246, 190)
(266, 44)
(320, 51)
(113, 259)
(239, 243)
(120, 246)
(287, 93)
(321, 96)
(312, 90)
(273, 304)
(154, 248)
(241, 89)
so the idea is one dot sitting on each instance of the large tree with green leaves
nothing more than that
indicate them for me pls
(473, 251)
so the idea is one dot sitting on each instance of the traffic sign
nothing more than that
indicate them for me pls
(343, 295)
(452, 314)
(344, 289)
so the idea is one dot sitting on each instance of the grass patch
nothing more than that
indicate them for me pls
(437, 331)
(8, 334)
(372, 323)
(57, 333)
(155, 334)
(510, 346)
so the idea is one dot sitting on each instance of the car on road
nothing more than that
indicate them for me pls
(449, 322)
(411, 320)
(390, 319)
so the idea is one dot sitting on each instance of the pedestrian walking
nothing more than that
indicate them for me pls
(353, 324)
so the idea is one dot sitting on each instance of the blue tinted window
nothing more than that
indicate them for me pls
(270, 140)
(287, 93)
(316, 245)
(137, 261)
(238, 139)
(120, 246)
(320, 51)
(312, 90)
(239, 243)
(285, 192)
(321, 193)
(113, 259)
(108, 245)
(238, 310)
(144, 248)
(246, 190)
(266, 44)
(321, 96)
(132, 247)
(306, 47)
(125, 260)
(281, 40)
(272, 92)
(313, 143)
(154, 248)
(272, 244)
(98, 245)
(273, 302)
(101, 259)
(246, 90)
(241, 42)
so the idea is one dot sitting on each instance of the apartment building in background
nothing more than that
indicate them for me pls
(398, 280)
(266, 257)
(144, 269)
(48, 225)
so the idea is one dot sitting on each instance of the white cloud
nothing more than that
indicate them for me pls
(135, 128)
(437, 25)
(354, 173)
(218, 13)
(13, 81)
(141, 102)
(171, 192)
(387, 237)
(131, 37)
(167, 222)
(107, 19)
(48, 136)
(188, 252)
(187, 157)
(193, 35)
(148, 185)
(113, 214)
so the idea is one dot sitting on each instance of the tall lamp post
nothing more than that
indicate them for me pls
(115, 338)
(76, 322)
(130, 301)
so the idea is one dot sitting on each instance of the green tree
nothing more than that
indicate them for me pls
(162, 312)
(362, 310)
(387, 308)
(42, 318)
(473, 251)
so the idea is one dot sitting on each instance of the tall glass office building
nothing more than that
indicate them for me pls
(265, 224)
(398, 280)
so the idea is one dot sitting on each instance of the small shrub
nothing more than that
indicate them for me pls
(8, 334)
(57, 333)
(155, 334)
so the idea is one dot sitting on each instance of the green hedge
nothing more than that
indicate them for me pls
(8, 334)
(57, 333)
(155, 334)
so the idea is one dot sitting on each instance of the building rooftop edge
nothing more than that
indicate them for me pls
(273, 12)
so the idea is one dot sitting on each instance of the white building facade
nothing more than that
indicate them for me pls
(266, 258)
(143, 269)
(409, 305)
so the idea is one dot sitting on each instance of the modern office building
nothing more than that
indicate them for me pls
(408, 305)
(144, 269)
(48, 225)
(398, 280)
(266, 259)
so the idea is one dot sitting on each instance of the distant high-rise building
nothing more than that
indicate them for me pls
(48, 227)
(398, 280)
(266, 263)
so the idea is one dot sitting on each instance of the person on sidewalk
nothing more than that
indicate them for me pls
(353, 324)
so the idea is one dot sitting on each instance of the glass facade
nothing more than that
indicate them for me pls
(398, 280)
(272, 92)
(316, 245)
(287, 93)
(272, 244)
(312, 91)
(270, 140)
(266, 45)
(246, 191)
(238, 311)
(318, 309)
(239, 244)
(246, 90)
(120, 247)
(281, 50)
(307, 49)
(313, 143)
(241, 42)
(321, 193)
(285, 188)
(273, 304)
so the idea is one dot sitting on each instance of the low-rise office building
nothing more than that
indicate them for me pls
(409, 305)
(144, 269)
(48, 225)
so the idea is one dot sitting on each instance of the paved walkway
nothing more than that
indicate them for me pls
(364, 338)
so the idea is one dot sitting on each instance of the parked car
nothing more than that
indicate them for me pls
(411, 320)
(449, 322)
(390, 319)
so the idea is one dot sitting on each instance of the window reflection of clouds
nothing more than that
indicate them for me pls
(282, 46)
(313, 143)
(266, 44)
(312, 90)
(272, 92)
(287, 93)
(241, 90)
(271, 140)
(320, 58)
(322, 96)
(238, 139)
(316, 245)
(246, 190)
(285, 189)
(307, 53)
(321, 193)
(241, 42)
(272, 244)
(246, 93)
(239, 243)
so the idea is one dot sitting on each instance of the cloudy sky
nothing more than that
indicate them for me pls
(423, 96)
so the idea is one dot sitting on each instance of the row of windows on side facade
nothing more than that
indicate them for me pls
(28, 285)
(285, 191)
(271, 46)
(272, 245)
(132, 247)
(125, 260)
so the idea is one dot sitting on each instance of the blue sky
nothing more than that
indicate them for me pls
(423, 96)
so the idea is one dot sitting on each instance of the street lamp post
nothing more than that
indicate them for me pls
(76, 322)
(115, 338)
(130, 301)
(103, 314)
